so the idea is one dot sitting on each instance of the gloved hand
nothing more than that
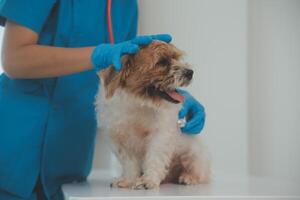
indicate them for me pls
(105, 55)
(194, 113)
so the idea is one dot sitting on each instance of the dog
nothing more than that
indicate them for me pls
(138, 109)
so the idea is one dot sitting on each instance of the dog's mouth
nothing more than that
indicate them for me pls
(171, 96)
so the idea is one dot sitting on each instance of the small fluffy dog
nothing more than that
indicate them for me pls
(138, 107)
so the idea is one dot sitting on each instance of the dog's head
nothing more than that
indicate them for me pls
(153, 74)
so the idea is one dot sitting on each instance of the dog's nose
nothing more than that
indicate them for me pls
(188, 73)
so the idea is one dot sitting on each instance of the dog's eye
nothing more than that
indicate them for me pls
(163, 62)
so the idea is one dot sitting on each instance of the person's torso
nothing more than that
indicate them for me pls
(53, 119)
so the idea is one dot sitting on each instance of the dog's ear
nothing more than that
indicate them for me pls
(113, 79)
(127, 67)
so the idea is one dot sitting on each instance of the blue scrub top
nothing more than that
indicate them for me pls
(48, 126)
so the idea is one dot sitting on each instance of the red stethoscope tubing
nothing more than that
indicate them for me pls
(109, 22)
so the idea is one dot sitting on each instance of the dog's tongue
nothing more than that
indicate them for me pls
(175, 95)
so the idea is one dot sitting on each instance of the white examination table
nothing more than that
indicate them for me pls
(222, 187)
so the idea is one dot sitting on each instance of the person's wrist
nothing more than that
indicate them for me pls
(98, 56)
(92, 54)
(93, 58)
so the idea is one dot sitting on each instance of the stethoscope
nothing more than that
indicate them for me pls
(109, 22)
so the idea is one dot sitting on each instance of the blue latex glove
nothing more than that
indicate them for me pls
(105, 55)
(194, 113)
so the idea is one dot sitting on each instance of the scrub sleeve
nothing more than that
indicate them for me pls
(32, 15)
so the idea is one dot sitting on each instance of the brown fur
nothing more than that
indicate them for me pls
(153, 66)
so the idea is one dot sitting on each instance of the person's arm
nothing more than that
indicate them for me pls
(22, 57)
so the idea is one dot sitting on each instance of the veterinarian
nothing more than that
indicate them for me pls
(52, 50)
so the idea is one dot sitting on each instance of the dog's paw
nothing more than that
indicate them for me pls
(121, 183)
(191, 179)
(145, 182)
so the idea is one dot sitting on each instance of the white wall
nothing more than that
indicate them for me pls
(213, 33)
(274, 86)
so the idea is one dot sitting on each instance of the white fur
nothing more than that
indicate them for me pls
(149, 156)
